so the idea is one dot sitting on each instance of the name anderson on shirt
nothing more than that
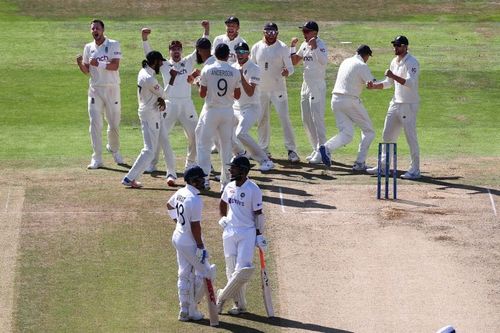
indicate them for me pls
(221, 72)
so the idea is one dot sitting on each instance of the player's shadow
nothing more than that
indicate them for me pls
(289, 323)
(123, 165)
(274, 321)
(286, 202)
(444, 183)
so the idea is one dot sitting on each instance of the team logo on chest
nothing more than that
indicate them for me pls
(242, 195)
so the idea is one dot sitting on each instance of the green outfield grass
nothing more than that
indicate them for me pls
(115, 272)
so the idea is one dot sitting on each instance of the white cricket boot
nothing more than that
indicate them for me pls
(266, 165)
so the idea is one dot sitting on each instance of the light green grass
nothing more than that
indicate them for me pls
(112, 272)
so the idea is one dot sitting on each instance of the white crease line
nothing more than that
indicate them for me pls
(7, 201)
(281, 201)
(492, 203)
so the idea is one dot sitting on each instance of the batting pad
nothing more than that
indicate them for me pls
(232, 288)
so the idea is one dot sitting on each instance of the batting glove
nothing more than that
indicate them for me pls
(223, 222)
(202, 255)
(261, 242)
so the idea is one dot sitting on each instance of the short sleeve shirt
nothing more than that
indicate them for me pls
(108, 50)
(352, 76)
(271, 60)
(189, 208)
(242, 202)
(221, 80)
(251, 73)
(315, 61)
(231, 43)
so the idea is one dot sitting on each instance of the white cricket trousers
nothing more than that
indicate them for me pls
(183, 111)
(218, 123)
(349, 110)
(239, 243)
(189, 269)
(280, 102)
(246, 117)
(403, 116)
(312, 105)
(150, 124)
(104, 101)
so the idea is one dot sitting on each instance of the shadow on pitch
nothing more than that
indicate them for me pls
(445, 183)
(274, 321)
(288, 323)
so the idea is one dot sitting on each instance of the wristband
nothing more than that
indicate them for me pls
(102, 65)
(173, 213)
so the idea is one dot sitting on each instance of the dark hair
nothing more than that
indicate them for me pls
(222, 51)
(144, 63)
(98, 21)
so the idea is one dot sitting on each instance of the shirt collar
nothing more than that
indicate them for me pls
(150, 70)
(404, 58)
(105, 43)
(192, 189)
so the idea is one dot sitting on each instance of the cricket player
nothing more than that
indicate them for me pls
(243, 223)
(101, 59)
(353, 75)
(402, 113)
(313, 53)
(273, 58)
(219, 86)
(151, 98)
(185, 208)
(179, 106)
(247, 108)
(231, 38)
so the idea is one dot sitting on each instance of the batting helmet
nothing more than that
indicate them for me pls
(241, 162)
(193, 173)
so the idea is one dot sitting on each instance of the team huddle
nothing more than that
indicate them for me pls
(238, 84)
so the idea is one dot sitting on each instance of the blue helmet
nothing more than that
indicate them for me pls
(193, 173)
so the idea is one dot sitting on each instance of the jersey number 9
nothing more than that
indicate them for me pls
(222, 86)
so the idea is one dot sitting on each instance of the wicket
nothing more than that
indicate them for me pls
(387, 146)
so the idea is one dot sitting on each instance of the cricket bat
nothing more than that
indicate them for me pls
(211, 302)
(266, 288)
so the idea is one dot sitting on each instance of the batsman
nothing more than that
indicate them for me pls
(243, 223)
(185, 208)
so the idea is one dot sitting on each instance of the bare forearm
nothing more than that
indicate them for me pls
(196, 231)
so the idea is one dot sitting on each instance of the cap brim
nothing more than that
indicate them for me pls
(231, 164)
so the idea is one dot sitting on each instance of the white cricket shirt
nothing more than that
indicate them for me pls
(352, 76)
(184, 67)
(231, 43)
(271, 60)
(242, 202)
(221, 80)
(409, 69)
(109, 49)
(189, 206)
(251, 73)
(315, 61)
(148, 90)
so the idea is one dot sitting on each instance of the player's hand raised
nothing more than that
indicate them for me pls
(145, 33)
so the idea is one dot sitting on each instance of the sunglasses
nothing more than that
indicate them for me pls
(242, 51)
(270, 32)
(397, 45)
